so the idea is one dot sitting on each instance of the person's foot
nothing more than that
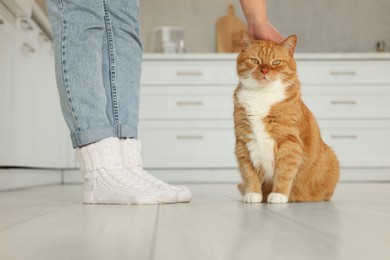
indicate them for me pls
(131, 150)
(107, 181)
(183, 193)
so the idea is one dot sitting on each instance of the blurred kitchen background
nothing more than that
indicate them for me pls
(186, 124)
(321, 26)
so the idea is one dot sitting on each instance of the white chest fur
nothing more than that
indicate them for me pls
(257, 102)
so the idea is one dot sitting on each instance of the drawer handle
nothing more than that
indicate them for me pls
(342, 73)
(344, 136)
(189, 137)
(189, 73)
(42, 37)
(26, 25)
(343, 102)
(27, 49)
(189, 103)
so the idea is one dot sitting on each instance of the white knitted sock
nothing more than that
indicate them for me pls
(131, 150)
(106, 180)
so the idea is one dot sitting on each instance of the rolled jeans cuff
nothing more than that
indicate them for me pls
(85, 137)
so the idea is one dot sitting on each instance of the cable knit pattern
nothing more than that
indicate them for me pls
(106, 180)
(99, 155)
(131, 150)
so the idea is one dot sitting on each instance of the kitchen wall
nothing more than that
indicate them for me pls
(321, 25)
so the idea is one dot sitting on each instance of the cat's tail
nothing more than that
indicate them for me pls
(241, 188)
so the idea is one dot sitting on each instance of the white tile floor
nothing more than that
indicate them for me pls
(50, 223)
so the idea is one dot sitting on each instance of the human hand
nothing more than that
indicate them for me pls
(265, 31)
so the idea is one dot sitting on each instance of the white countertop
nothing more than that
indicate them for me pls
(298, 56)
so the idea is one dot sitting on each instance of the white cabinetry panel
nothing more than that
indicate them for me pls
(349, 101)
(194, 73)
(191, 144)
(344, 72)
(190, 102)
(32, 133)
(7, 37)
(359, 143)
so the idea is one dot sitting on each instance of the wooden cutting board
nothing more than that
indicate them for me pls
(228, 32)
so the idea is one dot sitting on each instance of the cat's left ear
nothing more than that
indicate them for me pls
(289, 43)
(246, 40)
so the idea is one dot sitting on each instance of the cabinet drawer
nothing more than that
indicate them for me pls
(187, 103)
(182, 73)
(188, 146)
(349, 106)
(184, 145)
(344, 72)
(358, 143)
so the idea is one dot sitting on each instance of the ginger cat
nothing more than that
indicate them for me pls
(279, 149)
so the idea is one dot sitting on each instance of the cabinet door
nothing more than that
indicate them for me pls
(187, 102)
(179, 73)
(333, 72)
(33, 133)
(358, 143)
(48, 129)
(8, 36)
(21, 109)
(193, 144)
(348, 101)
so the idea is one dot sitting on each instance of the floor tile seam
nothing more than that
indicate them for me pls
(36, 217)
(30, 188)
(234, 199)
(330, 236)
(326, 237)
(302, 224)
(335, 202)
(357, 206)
(154, 236)
(219, 193)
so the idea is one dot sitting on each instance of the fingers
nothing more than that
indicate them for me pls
(266, 32)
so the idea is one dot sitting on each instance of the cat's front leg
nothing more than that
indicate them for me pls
(287, 161)
(250, 187)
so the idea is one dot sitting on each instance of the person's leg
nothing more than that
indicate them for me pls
(79, 29)
(124, 61)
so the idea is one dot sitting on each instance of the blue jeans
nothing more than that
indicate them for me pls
(98, 57)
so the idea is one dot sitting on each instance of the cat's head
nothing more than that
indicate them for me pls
(264, 62)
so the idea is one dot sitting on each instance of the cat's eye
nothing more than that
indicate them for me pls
(255, 61)
(276, 62)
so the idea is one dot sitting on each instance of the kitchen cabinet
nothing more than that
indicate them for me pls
(186, 114)
(32, 132)
(351, 101)
(6, 62)
(186, 122)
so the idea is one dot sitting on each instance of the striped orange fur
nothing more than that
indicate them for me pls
(279, 149)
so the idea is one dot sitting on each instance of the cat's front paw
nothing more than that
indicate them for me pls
(253, 197)
(277, 198)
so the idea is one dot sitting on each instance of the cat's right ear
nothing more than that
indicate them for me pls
(246, 40)
(289, 43)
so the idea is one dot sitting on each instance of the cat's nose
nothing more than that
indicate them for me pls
(264, 70)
